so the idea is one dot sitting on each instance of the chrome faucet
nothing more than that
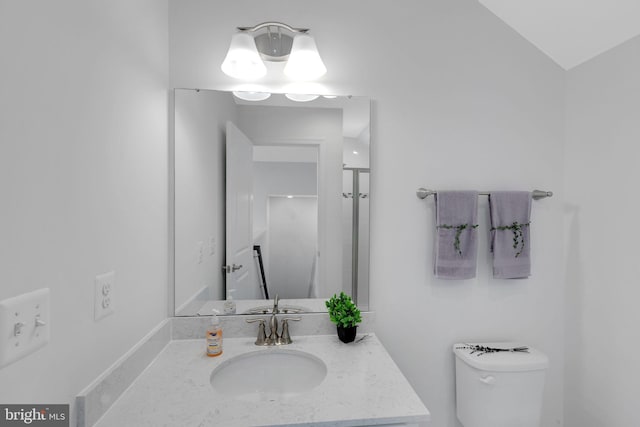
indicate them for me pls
(273, 324)
(262, 336)
(285, 338)
(274, 337)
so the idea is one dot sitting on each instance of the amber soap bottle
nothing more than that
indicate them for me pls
(214, 336)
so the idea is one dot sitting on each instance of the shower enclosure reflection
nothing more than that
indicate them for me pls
(355, 225)
(264, 200)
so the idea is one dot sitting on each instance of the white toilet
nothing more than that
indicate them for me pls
(502, 389)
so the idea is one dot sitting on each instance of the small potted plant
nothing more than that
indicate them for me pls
(344, 313)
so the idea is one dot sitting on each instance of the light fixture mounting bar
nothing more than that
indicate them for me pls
(274, 24)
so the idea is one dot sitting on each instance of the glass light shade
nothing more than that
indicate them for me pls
(243, 60)
(252, 96)
(304, 60)
(300, 97)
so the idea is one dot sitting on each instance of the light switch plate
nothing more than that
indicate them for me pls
(103, 295)
(24, 325)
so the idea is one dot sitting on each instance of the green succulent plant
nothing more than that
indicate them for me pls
(342, 311)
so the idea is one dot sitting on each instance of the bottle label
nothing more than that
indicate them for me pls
(214, 342)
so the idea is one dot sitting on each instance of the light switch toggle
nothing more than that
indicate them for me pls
(40, 322)
(25, 325)
(17, 329)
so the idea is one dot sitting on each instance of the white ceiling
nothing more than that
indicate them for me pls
(570, 31)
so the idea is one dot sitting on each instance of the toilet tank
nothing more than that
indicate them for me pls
(502, 389)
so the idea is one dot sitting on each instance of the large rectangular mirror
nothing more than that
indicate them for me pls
(271, 198)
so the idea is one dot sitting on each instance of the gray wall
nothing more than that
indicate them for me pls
(280, 178)
(460, 101)
(83, 161)
(602, 176)
(283, 178)
(83, 179)
(200, 141)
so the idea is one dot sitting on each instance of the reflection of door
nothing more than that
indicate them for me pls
(239, 239)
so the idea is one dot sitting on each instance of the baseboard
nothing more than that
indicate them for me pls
(99, 396)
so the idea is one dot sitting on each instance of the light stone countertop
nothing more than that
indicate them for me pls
(309, 305)
(363, 386)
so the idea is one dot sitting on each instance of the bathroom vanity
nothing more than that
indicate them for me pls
(362, 386)
(167, 379)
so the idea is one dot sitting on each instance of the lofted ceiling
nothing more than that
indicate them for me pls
(570, 31)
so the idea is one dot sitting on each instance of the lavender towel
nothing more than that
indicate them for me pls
(456, 235)
(510, 213)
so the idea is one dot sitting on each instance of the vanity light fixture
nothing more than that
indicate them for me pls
(243, 60)
(273, 42)
(252, 96)
(301, 97)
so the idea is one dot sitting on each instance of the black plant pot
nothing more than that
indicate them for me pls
(347, 335)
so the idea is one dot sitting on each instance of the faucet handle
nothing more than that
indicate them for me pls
(262, 335)
(285, 338)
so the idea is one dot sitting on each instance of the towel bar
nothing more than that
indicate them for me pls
(423, 193)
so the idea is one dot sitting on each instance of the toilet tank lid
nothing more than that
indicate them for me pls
(502, 361)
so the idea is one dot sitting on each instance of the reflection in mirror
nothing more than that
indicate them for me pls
(271, 198)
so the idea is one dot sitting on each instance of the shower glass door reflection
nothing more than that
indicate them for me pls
(355, 232)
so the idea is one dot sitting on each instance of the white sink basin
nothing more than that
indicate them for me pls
(269, 374)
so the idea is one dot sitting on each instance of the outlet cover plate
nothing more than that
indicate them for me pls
(24, 325)
(103, 295)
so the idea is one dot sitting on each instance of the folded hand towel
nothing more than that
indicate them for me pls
(456, 242)
(510, 213)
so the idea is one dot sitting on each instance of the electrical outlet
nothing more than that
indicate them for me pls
(212, 246)
(103, 295)
(200, 252)
(24, 325)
